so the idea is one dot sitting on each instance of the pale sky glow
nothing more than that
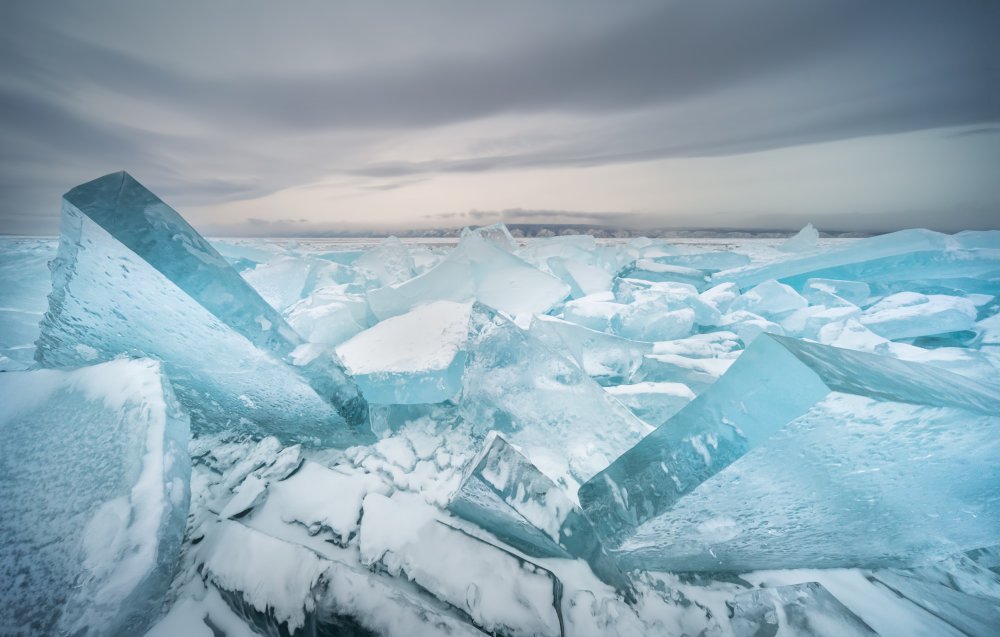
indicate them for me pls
(258, 118)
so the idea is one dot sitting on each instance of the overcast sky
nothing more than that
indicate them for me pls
(285, 117)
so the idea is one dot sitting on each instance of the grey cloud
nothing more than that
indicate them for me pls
(673, 52)
(678, 79)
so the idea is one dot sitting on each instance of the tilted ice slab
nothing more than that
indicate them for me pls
(831, 292)
(94, 494)
(583, 277)
(648, 300)
(770, 299)
(872, 483)
(909, 314)
(503, 493)
(595, 311)
(975, 612)
(804, 241)
(808, 455)
(153, 287)
(654, 402)
(413, 358)
(898, 256)
(389, 262)
(562, 420)
(285, 279)
(652, 270)
(653, 321)
(803, 610)
(607, 358)
(850, 334)
(329, 315)
(697, 373)
(496, 233)
(475, 270)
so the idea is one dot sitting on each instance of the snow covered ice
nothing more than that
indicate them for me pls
(94, 489)
(561, 436)
(802, 609)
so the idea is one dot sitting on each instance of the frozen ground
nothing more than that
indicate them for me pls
(563, 436)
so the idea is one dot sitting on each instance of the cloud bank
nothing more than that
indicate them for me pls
(341, 114)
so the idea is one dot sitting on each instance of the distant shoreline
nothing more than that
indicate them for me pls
(532, 231)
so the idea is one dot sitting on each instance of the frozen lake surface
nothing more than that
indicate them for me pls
(561, 436)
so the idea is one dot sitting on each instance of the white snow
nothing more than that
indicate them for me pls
(427, 337)
(498, 590)
(321, 499)
(269, 573)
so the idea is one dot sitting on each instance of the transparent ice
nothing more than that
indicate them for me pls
(562, 420)
(503, 493)
(139, 281)
(807, 455)
(818, 482)
(806, 610)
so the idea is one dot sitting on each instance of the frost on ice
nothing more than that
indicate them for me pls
(93, 498)
(560, 436)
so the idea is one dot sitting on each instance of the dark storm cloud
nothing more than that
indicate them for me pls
(678, 79)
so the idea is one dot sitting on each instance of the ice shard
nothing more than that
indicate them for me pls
(804, 241)
(330, 315)
(475, 270)
(286, 279)
(804, 455)
(654, 298)
(503, 493)
(652, 270)
(413, 358)
(696, 373)
(770, 299)
(497, 234)
(968, 260)
(977, 615)
(832, 292)
(909, 315)
(606, 358)
(94, 475)
(654, 402)
(803, 610)
(562, 420)
(595, 311)
(583, 277)
(389, 262)
(132, 277)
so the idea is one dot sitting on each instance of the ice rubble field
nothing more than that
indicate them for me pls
(554, 436)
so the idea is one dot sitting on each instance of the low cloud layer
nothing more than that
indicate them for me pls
(345, 114)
